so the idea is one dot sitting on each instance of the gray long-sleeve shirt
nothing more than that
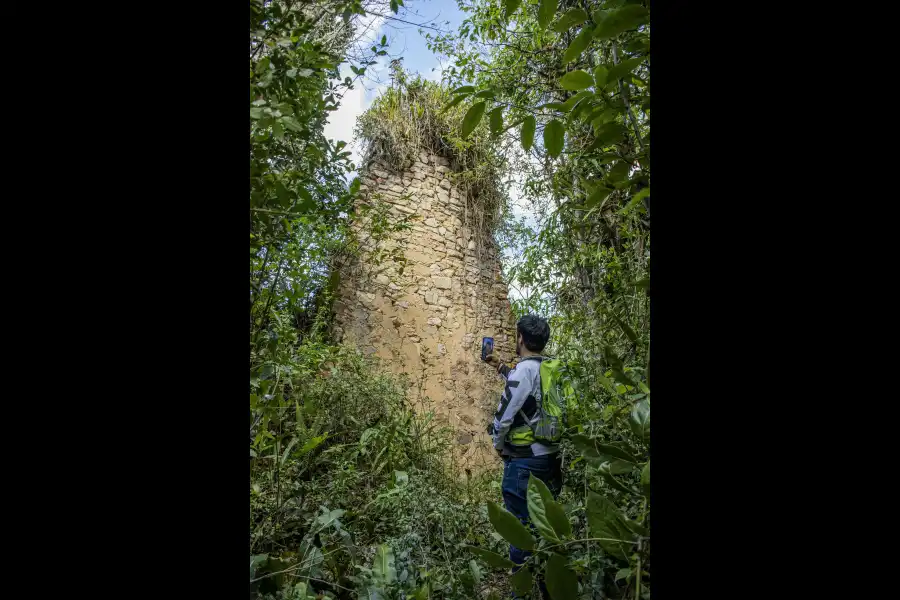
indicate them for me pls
(518, 406)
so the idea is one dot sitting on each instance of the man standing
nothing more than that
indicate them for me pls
(512, 427)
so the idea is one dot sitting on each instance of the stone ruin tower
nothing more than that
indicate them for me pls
(426, 317)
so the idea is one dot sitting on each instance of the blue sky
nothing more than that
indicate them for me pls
(404, 41)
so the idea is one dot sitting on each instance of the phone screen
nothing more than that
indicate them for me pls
(487, 347)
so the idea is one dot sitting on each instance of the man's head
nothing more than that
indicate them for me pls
(532, 334)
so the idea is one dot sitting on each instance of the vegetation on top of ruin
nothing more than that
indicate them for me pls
(412, 117)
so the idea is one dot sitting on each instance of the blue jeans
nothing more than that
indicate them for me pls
(547, 468)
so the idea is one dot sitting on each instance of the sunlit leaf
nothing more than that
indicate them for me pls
(528, 128)
(623, 68)
(601, 75)
(510, 7)
(576, 80)
(554, 137)
(571, 18)
(546, 10)
(496, 120)
(472, 118)
(577, 46)
(618, 21)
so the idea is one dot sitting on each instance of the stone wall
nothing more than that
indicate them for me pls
(426, 317)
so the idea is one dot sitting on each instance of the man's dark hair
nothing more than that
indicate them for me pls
(535, 332)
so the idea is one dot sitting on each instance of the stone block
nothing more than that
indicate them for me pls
(443, 282)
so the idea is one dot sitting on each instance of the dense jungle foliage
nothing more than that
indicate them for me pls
(349, 495)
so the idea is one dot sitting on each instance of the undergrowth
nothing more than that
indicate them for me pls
(350, 495)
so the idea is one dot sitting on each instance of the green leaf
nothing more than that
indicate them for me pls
(491, 558)
(509, 527)
(598, 197)
(384, 40)
(556, 514)
(601, 75)
(528, 127)
(510, 7)
(454, 102)
(401, 478)
(621, 20)
(383, 565)
(577, 46)
(256, 561)
(475, 570)
(394, 6)
(262, 65)
(522, 581)
(545, 12)
(570, 103)
(576, 80)
(312, 443)
(635, 527)
(278, 130)
(605, 471)
(618, 467)
(562, 583)
(291, 124)
(496, 120)
(487, 94)
(537, 508)
(623, 68)
(554, 137)
(583, 105)
(629, 332)
(472, 118)
(622, 574)
(608, 134)
(615, 452)
(465, 89)
(560, 106)
(287, 450)
(635, 201)
(640, 419)
(645, 479)
(256, 112)
(573, 17)
(585, 446)
(606, 522)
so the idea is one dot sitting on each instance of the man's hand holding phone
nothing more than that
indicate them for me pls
(493, 360)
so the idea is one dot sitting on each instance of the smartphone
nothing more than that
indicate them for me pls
(487, 347)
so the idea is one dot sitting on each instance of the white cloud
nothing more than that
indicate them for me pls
(355, 102)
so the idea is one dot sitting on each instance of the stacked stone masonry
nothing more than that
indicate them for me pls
(426, 318)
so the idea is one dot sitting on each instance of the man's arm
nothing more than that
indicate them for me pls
(494, 361)
(514, 395)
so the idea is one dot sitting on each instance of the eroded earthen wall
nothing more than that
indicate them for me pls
(426, 318)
